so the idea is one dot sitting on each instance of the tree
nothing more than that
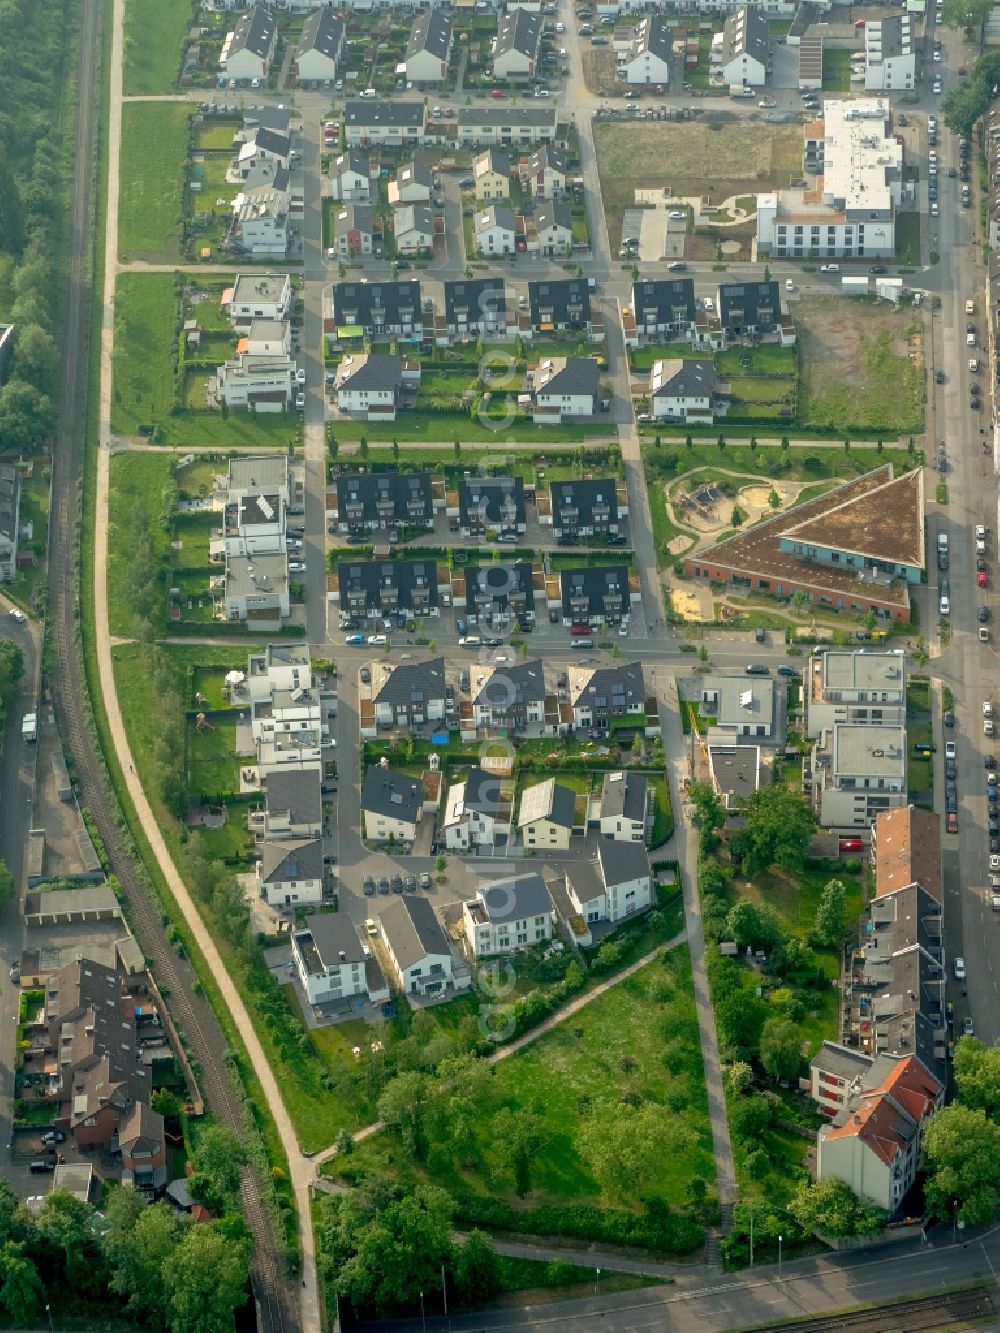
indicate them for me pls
(777, 829)
(962, 105)
(977, 1076)
(402, 1106)
(138, 1245)
(831, 913)
(21, 1292)
(218, 1157)
(619, 1147)
(740, 1017)
(749, 1116)
(11, 212)
(961, 1154)
(753, 926)
(27, 416)
(36, 358)
(6, 884)
(781, 1049)
(966, 13)
(477, 1270)
(64, 1223)
(709, 810)
(205, 1280)
(831, 1207)
(515, 1137)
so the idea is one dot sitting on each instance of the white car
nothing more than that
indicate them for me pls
(987, 708)
(789, 285)
(829, 268)
(950, 750)
(377, 640)
(980, 536)
(300, 402)
(296, 566)
(995, 862)
(935, 211)
(959, 969)
(945, 605)
(936, 86)
(17, 615)
(678, 214)
(623, 631)
(300, 376)
(937, 57)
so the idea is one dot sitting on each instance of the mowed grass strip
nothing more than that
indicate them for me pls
(153, 157)
(143, 373)
(154, 35)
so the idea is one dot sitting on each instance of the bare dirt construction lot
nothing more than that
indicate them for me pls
(715, 156)
(599, 70)
(861, 366)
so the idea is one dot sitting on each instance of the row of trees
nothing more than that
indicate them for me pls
(35, 56)
(138, 1260)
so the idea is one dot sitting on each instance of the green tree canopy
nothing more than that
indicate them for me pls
(477, 1270)
(781, 1048)
(753, 926)
(218, 1157)
(831, 914)
(205, 1280)
(20, 1286)
(621, 1146)
(966, 13)
(515, 1138)
(977, 1076)
(778, 826)
(403, 1106)
(962, 105)
(831, 1208)
(961, 1154)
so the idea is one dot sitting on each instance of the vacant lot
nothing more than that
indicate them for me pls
(154, 34)
(715, 156)
(145, 321)
(861, 367)
(153, 160)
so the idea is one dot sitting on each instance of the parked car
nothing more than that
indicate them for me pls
(852, 845)
(355, 640)
(377, 640)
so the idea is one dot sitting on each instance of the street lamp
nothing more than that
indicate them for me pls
(49, 1313)
(423, 1317)
(597, 1281)
(779, 1258)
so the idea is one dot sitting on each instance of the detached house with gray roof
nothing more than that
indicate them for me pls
(565, 386)
(508, 915)
(409, 694)
(391, 805)
(321, 47)
(350, 177)
(369, 386)
(683, 389)
(547, 816)
(517, 43)
(332, 963)
(613, 886)
(417, 947)
(248, 50)
(743, 49)
(429, 49)
(512, 697)
(477, 811)
(623, 810)
(648, 58)
(290, 873)
(543, 174)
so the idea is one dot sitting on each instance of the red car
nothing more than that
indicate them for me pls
(951, 823)
(981, 578)
(498, 93)
(851, 845)
(579, 629)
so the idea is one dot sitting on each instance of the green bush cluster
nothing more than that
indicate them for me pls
(657, 1227)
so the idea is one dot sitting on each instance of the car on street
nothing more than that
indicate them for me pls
(18, 615)
(939, 377)
(368, 888)
(877, 268)
(967, 1029)
(951, 822)
(678, 266)
(949, 718)
(355, 640)
(950, 750)
(981, 579)
(757, 669)
(466, 183)
(498, 93)
(377, 640)
(460, 625)
(300, 376)
(950, 768)
(959, 969)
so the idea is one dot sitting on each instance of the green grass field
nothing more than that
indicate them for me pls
(143, 374)
(136, 487)
(153, 162)
(154, 35)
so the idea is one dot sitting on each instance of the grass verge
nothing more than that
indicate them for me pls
(152, 181)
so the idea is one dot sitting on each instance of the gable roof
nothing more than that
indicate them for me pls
(496, 501)
(413, 682)
(492, 159)
(908, 850)
(371, 113)
(297, 791)
(489, 590)
(255, 32)
(515, 898)
(897, 1094)
(296, 858)
(577, 376)
(623, 796)
(352, 160)
(412, 931)
(583, 494)
(519, 30)
(553, 213)
(746, 304)
(389, 792)
(372, 304)
(431, 32)
(413, 217)
(373, 490)
(475, 298)
(350, 217)
(548, 157)
(653, 36)
(621, 685)
(595, 583)
(398, 583)
(272, 141)
(322, 32)
(548, 800)
(562, 301)
(508, 686)
(373, 372)
(685, 377)
(414, 172)
(858, 525)
(745, 33)
(480, 790)
(621, 862)
(496, 215)
(140, 1127)
(664, 297)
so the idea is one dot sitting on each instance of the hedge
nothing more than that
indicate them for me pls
(657, 1228)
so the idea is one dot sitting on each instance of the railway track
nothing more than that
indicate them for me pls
(206, 1043)
(954, 1309)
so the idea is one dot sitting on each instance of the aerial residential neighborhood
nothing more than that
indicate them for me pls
(497, 522)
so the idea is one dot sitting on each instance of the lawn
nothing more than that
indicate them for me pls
(862, 367)
(143, 371)
(154, 37)
(135, 502)
(442, 427)
(153, 163)
(796, 897)
(213, 767)
(908, 238)
(919, 769)
(642, 358)
(836, 70)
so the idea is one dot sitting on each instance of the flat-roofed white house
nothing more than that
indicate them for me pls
(508, 915)
(333, 964)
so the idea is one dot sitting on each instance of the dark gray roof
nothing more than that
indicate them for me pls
(412, 930)
(496, 215)
(389, 792)
(375, 372)
(621, 861)
(414, 584)
(490, 590)
(892, 28)
(413, 683)
(277, 118)
(619, 686)
(515, 898)
(416, 217)
(323, 32)
(686, 378)
(669, 300)
(495, 501)
(255, 32)
(296, 790)
(746, 31)
(583, 495)
(375, 490)
(471, 118)
(564, 301)
(749, 305)
(509, 686)
(519, 30)
(654, 36)
(594, 582)
(548, 800)
(372, 114)
(414, 172)
(353, 160)
(431, 32)
(475, 299)
(10, 501)
(482, 790)
(493, 159)
(579, 377)
(623, 795)
(846, 1063)
(296, 858)
(333, 935)
(350, 216)
(271, 141)
(553, 213)
(546, 158)
(377, 305)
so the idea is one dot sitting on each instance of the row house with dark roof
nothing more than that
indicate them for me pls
(408, 694)
(489, 504)
(371, 121)
(479, 308)
(598, 696)
(511, 697)
(596, 595)
(585, 507)
(560, 306)
(507, 126)
(376, 501)
(498, 595)
(378, 309)
(384, 589)
(248, 50)
(428, 50)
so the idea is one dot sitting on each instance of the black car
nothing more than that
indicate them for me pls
(980, 565)
(939, 377)
(950, 790)
(397, 883)
(615, 539)
(878, 268)
(995, 844)
(950, 769)
(993, 826)
(983, 614)
(493, 643)
(383, 885)
(949, 718)
(411, 883)
(758, 670)
(951, 804)
(369, 887)
(943, 556)
(989, 761)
